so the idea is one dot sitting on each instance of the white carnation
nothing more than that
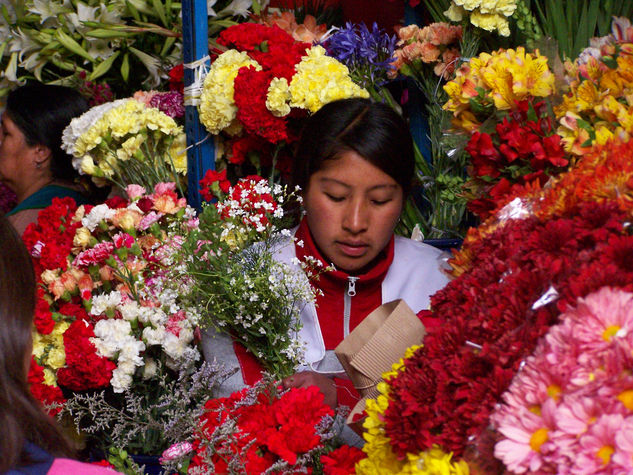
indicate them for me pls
(97, 214)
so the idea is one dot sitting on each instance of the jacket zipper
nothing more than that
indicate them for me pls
(347, 303)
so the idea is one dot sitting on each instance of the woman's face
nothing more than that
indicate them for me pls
(352, 209)
(15, 153)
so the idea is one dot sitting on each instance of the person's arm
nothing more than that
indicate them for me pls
(306, 379)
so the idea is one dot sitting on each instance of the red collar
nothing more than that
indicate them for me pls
(377, 271)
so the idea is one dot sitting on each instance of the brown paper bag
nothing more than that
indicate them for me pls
(378, 342)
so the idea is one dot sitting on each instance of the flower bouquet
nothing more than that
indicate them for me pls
(112, 334)
(256, 91)
(568, 410)
(262, 429)
(128, 142)
(239, 285)
(597, 106)
(499, 101)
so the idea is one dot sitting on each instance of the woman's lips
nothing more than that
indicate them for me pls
(352, 249)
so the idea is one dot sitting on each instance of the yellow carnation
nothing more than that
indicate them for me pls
(82, 237)
(278, 97)
(321, 79)
(217, 107)
(49, 377)
(455, 13)
(178, 154)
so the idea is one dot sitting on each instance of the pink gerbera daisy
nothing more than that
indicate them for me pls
(527, 438)
(597, 446)
(602, 318)
(623, 456)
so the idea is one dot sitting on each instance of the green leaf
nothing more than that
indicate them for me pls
(103, 67)
(159, 8)
(610, 61)
(105, 33)
(70, 44)
(133, 11)
(125, 67)
(169, 42)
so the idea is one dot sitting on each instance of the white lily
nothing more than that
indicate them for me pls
(152, 64)
(239, 8)
(47, 9)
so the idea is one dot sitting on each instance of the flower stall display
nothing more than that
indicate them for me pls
(112, 335)
(127, 142)
(485, 324)
(255, 93)
(240, 287)
(262, 429)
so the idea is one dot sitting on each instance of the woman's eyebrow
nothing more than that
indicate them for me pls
(346, 185)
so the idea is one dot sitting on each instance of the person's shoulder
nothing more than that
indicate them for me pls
(62, 466)
(405, 247)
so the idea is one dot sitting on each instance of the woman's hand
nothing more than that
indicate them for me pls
(306, 379)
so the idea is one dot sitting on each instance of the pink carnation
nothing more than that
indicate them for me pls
(96, 255)
(134, 191)
(123, 240)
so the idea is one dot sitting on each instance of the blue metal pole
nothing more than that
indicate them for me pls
(201, 153)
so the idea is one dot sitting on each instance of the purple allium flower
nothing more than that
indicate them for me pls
(367, 54)
(171, 103)
(7, 198)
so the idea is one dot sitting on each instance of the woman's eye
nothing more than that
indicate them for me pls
(335, 198)
(380, 202)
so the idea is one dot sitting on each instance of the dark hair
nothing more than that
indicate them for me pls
(21, 416)
(42, 112)
(373, 130)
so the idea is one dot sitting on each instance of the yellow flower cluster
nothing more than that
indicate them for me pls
(49, 351)
(599, 104)
(217, 108)
(381, 459)
(489, 15)
(129, 131)
(500, 78)
(321, 79)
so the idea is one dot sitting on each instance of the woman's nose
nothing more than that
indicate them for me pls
(356, 218)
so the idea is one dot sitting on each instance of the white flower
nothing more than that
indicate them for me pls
(150, 369)
(79, 125)
(120, 380)
(97, 214)
(102, 303)
(154, 336)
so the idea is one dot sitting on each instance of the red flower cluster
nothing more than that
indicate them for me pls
(50, 240)
(248, 200)
(341, 461)
(84, 368)
(484, 323)
(277, 53)
(214, 185)
(44, 393)
(270, 429)
(522, 149)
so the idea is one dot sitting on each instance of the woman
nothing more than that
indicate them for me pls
(31, 442)
(32, 162)
(354, 164)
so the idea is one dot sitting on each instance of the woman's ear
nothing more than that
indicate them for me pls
(41, 156)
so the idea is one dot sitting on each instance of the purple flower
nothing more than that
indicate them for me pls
(367, 54)
(171, 103)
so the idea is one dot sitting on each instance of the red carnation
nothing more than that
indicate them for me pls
(84, 368)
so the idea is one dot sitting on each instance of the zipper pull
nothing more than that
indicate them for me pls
(351, 287)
